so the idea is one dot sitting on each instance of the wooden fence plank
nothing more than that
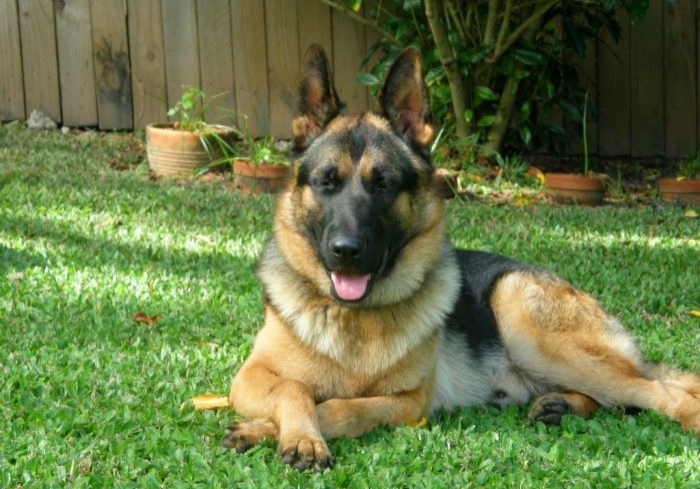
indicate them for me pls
(147, 62)
(680, 83)
(181, 53)
(348, 51)
(314, 26)
(110, 47)
(216, 59)
(38, 37)
(614, 91)
(282, 64)
(75, 68)
(647, 80)
(250, 64)
(11, 80)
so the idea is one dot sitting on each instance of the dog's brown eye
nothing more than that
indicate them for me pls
(327, 181)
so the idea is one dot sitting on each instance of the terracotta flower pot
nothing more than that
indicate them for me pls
(172, 152)
(259, 177)
(445, 183)
(685, 190)
(577, 189)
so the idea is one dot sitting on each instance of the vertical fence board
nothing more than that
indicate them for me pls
(71, 59)
(314, 26)
(110, 47)
(282, 63)
(11, 81)
(680, 83)
(216, 59)
(348, 51)
(181, 52)
(250, 64)
(75, 63)
(647, 79)
(614, 91)
(38, 37)
(147, 62)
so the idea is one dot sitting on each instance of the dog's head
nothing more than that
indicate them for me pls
(361, 197)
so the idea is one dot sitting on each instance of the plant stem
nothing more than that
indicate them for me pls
(449, 62)
(585, 135)
(532, 21)
(491, 17)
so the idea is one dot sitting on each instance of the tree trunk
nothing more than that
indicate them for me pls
(506, 104)
(454, 78)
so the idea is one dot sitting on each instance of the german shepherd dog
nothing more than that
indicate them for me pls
(373, 318)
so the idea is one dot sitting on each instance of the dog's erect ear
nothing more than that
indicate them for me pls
(403, 100)
(318, 100)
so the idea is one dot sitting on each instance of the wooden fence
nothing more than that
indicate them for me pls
(118, 64)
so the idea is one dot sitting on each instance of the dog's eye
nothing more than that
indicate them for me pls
(326, 182)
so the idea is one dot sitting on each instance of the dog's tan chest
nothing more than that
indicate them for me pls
(359, 368)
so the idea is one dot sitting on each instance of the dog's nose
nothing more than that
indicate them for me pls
(346, 248)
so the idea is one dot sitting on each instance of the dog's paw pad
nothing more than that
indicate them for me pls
(549, 409)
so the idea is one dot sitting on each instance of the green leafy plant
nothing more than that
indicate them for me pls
(513, 167)
(188, 112)
(261, 150)
(497, 71)
(690, 167)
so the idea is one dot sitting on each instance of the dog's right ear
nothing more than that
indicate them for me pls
(318, 100)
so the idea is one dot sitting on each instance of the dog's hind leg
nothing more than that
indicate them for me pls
(549, 408)
(562, 338)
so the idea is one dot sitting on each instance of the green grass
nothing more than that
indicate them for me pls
(89, 398)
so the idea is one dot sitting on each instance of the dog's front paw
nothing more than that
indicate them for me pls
(243, 435)
(549, 409)
(305, 452)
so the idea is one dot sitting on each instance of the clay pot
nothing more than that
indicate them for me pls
(260, 177)
(577, 189)
(172, 152)
(445, 183)
(685, 190)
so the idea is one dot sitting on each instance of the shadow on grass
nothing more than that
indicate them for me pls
(96, 251)
(18, 260)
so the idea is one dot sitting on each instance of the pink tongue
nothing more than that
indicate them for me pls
(350, 287)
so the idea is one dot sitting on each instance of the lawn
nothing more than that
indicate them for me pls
(90, 398)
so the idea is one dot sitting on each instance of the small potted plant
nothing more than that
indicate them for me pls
(261, 165)
(182, 147)
(686, 186)
(587, 189)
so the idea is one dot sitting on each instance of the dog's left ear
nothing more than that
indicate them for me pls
(403, 100)
(318, 100)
